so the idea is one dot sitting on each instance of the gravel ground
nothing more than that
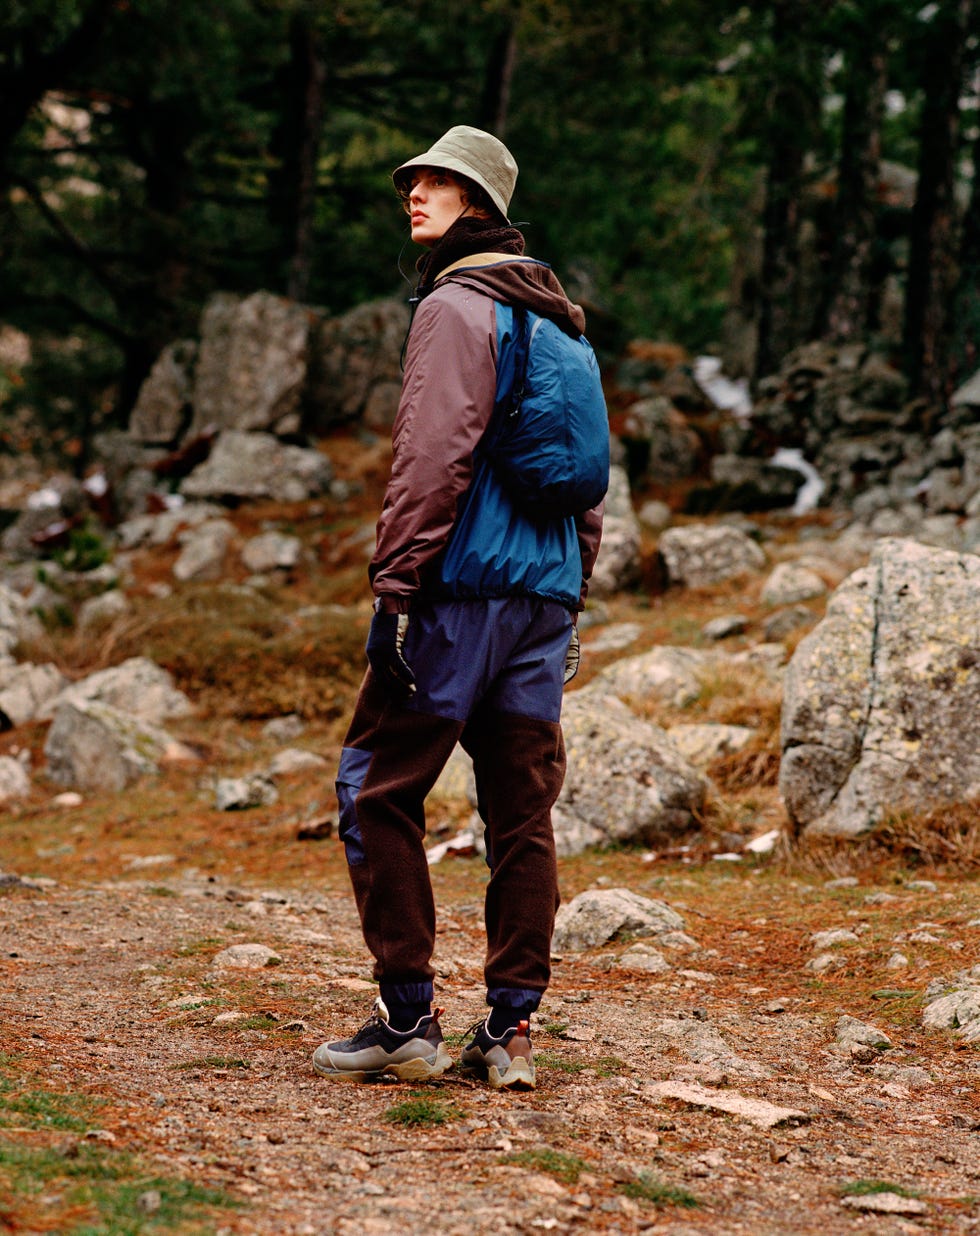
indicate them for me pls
(116, 990)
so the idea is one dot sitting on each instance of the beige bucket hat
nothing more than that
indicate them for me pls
(480, 156)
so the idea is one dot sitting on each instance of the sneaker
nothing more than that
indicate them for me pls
(410, 1055)
(507, 1063)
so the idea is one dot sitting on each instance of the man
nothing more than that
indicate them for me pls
(472, 639)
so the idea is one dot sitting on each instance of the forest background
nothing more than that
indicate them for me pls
(153, 152)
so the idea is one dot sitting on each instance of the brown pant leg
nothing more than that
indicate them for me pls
(404, 752)
(520, 766)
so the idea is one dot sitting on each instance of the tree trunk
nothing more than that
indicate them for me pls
(790, 115)
(965, 356)
(495, 104)
(932, 248)
(292, 189)
(848, 310)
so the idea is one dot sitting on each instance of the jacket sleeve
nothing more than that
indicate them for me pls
(446, 403)
(588, 527)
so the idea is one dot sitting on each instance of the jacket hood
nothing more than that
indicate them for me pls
(520, 281)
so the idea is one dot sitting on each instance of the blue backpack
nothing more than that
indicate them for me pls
(548, 440)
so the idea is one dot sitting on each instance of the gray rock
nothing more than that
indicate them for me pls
(700, 744)
(618, 563)
(246, 957)
(102, 611)
(92, 746)
(886, 1204)
(283, 729)
(741, 483)
(137, 686)
(162, 407)
(354, 366)
(701, 555)
(159, 529)
(849, 1032)
(25, 690)
(256, 466)
(613, 637)
(758, 1112)
(671, 443)
(204, 550)
(243, 793)
(14, 779)
(655, 515)
(790, 582)
(673, 675)
(881, 698)
(835, 935)
(722, 628)
(272, 551)
(643, 959)
(17, 623)
(958, 1010)
(777, 626)
(251, 366)
(294, 759)
(600, 915)
(625, 780)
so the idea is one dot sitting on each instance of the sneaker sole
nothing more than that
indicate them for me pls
(519, 1076)
(419, 1069)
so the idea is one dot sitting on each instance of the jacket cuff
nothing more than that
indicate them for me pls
(387, 603)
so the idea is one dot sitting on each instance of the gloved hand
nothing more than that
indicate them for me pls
(384, 653)
(572, 657)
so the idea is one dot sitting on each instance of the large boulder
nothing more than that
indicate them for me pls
(355, 371)
(162, 408)
(626, 781)
(251, 365)
(137, 686)
(257, 465)
(618, 563)
(93, 746)
(881, 699)
(25, 689)
(17, 622)
(701, 555)
(654, 428)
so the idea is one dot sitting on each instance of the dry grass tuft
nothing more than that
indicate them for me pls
(236, 653)
(945, 836)
(755, 765)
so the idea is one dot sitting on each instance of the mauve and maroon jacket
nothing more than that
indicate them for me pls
(446, 404)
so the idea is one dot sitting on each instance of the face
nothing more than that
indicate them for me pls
(435, 201)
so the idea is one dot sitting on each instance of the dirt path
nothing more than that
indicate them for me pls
(204, 1114)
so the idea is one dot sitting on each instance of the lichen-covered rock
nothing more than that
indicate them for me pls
(618, 563)
(882, 697)
(354, 366)
(598, 915)
(251, 366)
(700, 555)
(258, 465)
(625, 782)
(92, 746)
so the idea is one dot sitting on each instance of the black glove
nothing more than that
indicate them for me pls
(572, 657)
(384, 653)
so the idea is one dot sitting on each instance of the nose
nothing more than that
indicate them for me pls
(416, 194)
